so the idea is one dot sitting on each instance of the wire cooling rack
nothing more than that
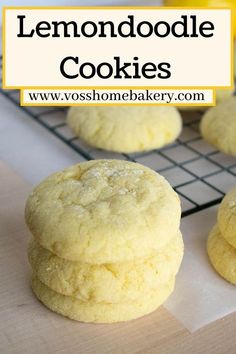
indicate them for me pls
(200, 174)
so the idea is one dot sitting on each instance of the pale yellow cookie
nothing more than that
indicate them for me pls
(222, 255)
(125, 281)
(126, 129)
(102, 312)
(218, 126)
(227, 217)
(103, 211)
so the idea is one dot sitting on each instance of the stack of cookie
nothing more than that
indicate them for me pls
(106, 243)
(221, 245)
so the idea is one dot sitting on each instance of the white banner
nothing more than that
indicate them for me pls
(117, 47)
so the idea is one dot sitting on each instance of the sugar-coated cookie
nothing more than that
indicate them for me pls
(111, 283)
(126, 129)
(227, 217)
(102, 312)
(218, 126)
(222, 255)
(103, 211)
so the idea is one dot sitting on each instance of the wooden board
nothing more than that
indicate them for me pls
(26, 326)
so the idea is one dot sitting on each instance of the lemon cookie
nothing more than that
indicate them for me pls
(103, 211)
(227, 217)
(125, 281)
(222, 255)
(102, 312)
(218, 126)
(126, 129)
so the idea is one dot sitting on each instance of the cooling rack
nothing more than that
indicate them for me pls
(200, 174)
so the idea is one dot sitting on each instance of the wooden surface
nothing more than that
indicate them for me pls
(26, 326)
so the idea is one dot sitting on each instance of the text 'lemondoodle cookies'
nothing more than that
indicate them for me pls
(116, 47)
(185, 26)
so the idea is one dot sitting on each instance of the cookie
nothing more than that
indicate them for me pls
(103, 211)
(227, 217)
(222, 255)
(102, 312)
(126, 129)
(218, 126)
(125, 281)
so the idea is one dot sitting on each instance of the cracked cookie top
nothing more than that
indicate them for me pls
(126, 129)
(103, 211)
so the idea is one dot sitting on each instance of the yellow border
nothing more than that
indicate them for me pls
(115, 7)
(22, 103)
(4, 8)
(117, 87)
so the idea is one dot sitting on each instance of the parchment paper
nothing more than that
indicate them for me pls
(201, 296)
